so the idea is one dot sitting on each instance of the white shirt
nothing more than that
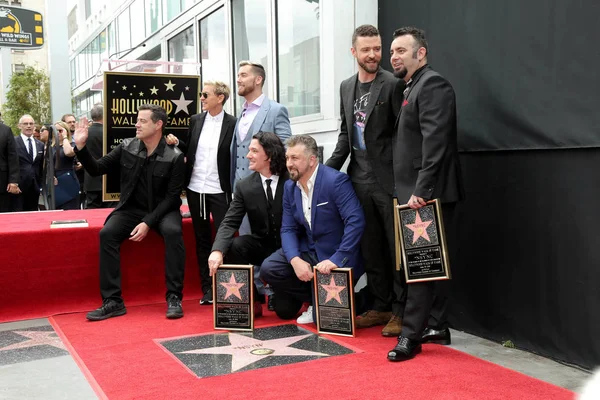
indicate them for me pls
(33, 146)
(274, 179)
(307, 197)
(205, 174)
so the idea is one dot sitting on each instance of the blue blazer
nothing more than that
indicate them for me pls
(337, 220)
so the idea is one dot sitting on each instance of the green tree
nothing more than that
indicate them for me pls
(28, 93)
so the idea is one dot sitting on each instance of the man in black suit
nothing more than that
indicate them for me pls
(207, 172)
(92, 185)
(426, 166)
(260, 196)
(31, 156)
(9, 167)
(368, 111)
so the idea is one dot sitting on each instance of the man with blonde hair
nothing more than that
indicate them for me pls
(208, 171)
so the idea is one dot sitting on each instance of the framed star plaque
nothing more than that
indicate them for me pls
(422, 242)
(233, 298)
(334, 302)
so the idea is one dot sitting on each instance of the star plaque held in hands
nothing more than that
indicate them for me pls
(233, 303)
(334, 298)
(422, 242)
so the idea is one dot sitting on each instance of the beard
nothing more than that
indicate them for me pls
(244, 90)
(401, 73)
(294, 174)
(369, 69)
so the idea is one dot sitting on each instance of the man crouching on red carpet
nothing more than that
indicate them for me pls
(151, 176)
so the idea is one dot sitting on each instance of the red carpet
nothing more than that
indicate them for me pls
(122, 361)
(46, 271)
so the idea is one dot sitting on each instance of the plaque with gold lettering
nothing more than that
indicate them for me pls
(124, 92)
(233, 297)
(334, 302)
(423, 242)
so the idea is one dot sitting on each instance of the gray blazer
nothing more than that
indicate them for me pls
(381, 112)
(272, 117)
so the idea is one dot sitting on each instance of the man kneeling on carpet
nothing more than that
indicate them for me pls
(259, 196)
(322, 225)
(151, 176)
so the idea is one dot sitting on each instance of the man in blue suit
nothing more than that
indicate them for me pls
(259, 114)
(322, 225)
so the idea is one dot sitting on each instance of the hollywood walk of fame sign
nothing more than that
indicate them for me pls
(233, 303)
(124, 92)
(225, 353)
(335, 302)
(422, 242)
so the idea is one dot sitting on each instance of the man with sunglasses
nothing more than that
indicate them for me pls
(207, 172)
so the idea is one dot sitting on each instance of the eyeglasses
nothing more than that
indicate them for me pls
(204, 95)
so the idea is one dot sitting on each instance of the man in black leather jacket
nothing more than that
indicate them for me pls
(151, 178)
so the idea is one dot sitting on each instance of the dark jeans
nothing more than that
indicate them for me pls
(118, 228)
(427, 302)
(217, 205)
(386, 284)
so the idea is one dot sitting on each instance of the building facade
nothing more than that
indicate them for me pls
(303, 44)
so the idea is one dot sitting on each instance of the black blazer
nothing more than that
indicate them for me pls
(250, 198)
(9, 162)
(190, 145)
(381, 112)
(94, 146)
(30, 171)
(426, 160)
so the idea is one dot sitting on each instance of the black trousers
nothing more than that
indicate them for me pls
(217, 205)
(27, 200)
(386, 285)
(118, 228)
(5, 199)
(247, 249)
(427, 302)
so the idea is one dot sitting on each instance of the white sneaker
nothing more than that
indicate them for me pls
(306, 317)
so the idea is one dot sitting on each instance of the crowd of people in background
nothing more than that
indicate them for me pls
(39, 170)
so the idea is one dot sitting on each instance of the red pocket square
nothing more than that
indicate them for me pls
(405, 102)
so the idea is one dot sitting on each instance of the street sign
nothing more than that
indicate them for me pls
(21, 28)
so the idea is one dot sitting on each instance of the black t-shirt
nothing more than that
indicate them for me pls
(360, 170)
(139, 197)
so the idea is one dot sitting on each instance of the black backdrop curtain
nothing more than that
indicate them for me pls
(525, 79)
(524, 72)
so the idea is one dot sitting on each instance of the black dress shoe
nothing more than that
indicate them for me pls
(174, 309)
(271, 302)
(404, 350)
(438, 336)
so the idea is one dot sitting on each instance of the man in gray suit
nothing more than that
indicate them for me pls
(368, 102)
(259, 114)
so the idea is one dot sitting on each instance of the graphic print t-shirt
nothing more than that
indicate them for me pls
(360, 169)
